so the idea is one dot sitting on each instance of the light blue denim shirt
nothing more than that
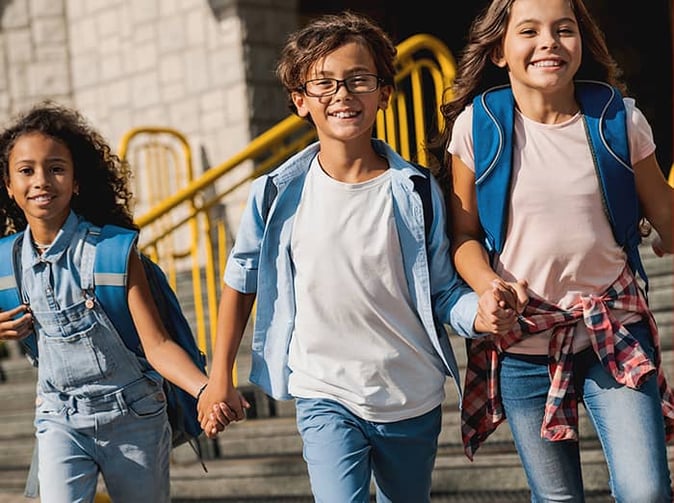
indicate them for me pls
(56, 274)
(261, 263)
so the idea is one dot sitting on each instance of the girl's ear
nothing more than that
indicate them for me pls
(300, 102)
(497, 57)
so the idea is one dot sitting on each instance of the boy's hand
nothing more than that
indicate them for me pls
(500, 306)
(511, 295)
(214, 415)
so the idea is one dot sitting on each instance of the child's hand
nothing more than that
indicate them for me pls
(16, 329)
(511, 295)
(499, 307)
(222, 413)
(211, 426)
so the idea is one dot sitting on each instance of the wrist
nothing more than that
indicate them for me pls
(201, 390)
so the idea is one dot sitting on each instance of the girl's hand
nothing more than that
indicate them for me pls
(13, 328)
(216, 414)
(511, 295)
(500, 306)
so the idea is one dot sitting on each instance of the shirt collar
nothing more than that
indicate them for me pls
(30, 257)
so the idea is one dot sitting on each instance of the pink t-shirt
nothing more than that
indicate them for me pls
(558, 238)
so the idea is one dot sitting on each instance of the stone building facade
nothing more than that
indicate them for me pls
(203, 67)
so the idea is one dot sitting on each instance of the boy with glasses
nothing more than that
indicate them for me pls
(351, 292)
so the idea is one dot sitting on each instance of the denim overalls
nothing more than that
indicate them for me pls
(99, 408)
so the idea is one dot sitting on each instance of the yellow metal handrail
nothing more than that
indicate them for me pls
(195, 211)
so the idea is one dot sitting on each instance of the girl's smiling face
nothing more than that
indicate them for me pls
(41, 179)
(542, 46)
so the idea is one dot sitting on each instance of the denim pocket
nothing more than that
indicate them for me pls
(150, 405)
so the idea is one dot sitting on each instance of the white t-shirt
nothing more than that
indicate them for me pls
(357, 338)
(558, 237)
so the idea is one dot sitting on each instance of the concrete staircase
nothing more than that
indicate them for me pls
(260, 459)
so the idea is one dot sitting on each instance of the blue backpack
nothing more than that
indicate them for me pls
(113, 246)
(604, 115)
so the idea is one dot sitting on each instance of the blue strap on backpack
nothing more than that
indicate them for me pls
(110, 271)
(604, 115)
(113, 246)
(10, 296)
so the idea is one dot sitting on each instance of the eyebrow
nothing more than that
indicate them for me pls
(558, 21)
(49, 159)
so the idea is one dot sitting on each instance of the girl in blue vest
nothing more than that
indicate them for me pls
(550, 175)
(99, 408)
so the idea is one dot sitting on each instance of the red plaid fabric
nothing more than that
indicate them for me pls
(619, 352)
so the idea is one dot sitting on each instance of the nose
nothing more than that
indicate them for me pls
(550, 40)
(41, 177)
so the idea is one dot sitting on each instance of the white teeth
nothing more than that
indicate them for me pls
(546, 63)
(42, 199)
(345, 115)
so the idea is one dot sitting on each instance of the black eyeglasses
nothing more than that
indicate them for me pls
(356, 84)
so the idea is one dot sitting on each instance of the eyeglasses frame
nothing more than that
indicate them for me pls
(342, 82)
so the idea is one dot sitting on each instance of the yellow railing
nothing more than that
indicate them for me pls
(184, 226)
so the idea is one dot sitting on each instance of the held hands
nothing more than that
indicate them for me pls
(215, 413)
(500, 306)
(16, 329)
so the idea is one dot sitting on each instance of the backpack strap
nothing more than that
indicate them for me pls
(493, 120)
(606, 125)
(605, 120)
(113, 249)
(10, 294)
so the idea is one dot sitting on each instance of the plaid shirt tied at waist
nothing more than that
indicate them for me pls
(619, 352)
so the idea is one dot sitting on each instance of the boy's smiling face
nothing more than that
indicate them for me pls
(343, 116)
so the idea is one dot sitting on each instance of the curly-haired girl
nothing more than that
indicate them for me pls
(99, 408)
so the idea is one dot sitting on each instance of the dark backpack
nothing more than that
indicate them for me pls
(113, 246)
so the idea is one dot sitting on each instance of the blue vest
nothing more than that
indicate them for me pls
(604, 115)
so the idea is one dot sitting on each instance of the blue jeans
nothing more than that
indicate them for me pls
(628, 422)
(342, 451)
(124, 435)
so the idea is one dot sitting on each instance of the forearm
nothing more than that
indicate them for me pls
(171, 361)
(233, 314)
(472, 264)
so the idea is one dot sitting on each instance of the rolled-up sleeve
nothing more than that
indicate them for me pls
(241, 270)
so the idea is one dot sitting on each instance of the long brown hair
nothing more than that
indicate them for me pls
(476, 72)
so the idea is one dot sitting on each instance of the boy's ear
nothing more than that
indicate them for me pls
(497, 57)
(299, 100)
(385, 96)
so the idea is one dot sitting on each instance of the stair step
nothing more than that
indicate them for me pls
(260, 459)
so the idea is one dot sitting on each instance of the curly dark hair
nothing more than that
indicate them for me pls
(103, 178)
(325, 34)
(476, 73)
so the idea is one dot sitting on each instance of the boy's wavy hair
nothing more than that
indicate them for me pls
(325, 34)
(103, 178)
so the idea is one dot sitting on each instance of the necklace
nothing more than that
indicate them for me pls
(40, 247)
